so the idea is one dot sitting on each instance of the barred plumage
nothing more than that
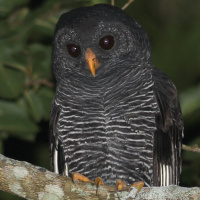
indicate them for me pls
(126, 122)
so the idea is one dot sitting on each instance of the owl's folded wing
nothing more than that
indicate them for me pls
(167, 138)
(56, 151)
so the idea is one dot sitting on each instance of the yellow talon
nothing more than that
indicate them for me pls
(139, 185)
(80, 177)
(98, 181)
(120, 184)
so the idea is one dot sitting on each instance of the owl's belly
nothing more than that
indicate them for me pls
(110, 148)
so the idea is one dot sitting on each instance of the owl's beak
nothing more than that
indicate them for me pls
(91, 60)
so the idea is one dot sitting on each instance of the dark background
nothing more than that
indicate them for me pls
(27, 85)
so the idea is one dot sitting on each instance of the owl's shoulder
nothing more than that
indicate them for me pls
(166, 96)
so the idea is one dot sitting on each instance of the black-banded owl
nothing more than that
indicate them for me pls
(114, 115)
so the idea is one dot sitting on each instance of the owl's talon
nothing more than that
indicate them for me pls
(80, 177)
(120, 184)
(77, 176)
(98, 181)
(139, 185)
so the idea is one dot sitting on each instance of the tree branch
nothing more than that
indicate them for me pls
(127, 4)
(194, 148)
(32, 182)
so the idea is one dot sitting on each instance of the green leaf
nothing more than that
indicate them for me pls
(46, 96)
(15, 120)
(8, 5)
(190, 104)
(190, 100)
(12, 82)
(41, 60)
(35, 105)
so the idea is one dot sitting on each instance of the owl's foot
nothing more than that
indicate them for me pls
(80, 177)
(120, 184)
(77, 176)
(98, 182)
(139, 185)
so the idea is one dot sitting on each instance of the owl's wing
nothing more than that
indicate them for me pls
(56, 151)
(167, 138)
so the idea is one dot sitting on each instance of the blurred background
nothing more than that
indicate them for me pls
(27, 85)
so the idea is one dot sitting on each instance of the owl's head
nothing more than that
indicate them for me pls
(94, 42)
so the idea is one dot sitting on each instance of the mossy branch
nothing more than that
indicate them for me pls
(32, 182)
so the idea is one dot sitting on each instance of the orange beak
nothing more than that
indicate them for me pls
(92, 61)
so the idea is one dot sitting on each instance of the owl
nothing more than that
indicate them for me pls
(114, 115)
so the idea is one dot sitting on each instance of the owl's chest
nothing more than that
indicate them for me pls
(108, 128)
(132, 103)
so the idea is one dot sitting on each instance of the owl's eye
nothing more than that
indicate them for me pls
(73, 50)
(107, 42)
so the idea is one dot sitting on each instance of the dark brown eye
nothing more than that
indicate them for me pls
(73, 50)
(107, 42)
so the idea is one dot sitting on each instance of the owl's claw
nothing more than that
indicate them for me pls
(120, 184)
(98, 181)
(77, 176)
(139, 185)
(80, 177)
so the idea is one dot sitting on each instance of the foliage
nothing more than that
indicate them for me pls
(26, 82)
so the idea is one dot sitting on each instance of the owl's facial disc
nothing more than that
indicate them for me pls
(92, 61)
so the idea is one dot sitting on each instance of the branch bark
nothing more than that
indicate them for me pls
(194, 148)
(36, 183)
(127, 4)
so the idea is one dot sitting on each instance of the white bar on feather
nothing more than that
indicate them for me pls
(164, 175)
(66, 170)
(55, 161)
(167, 177)
(161, 176)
